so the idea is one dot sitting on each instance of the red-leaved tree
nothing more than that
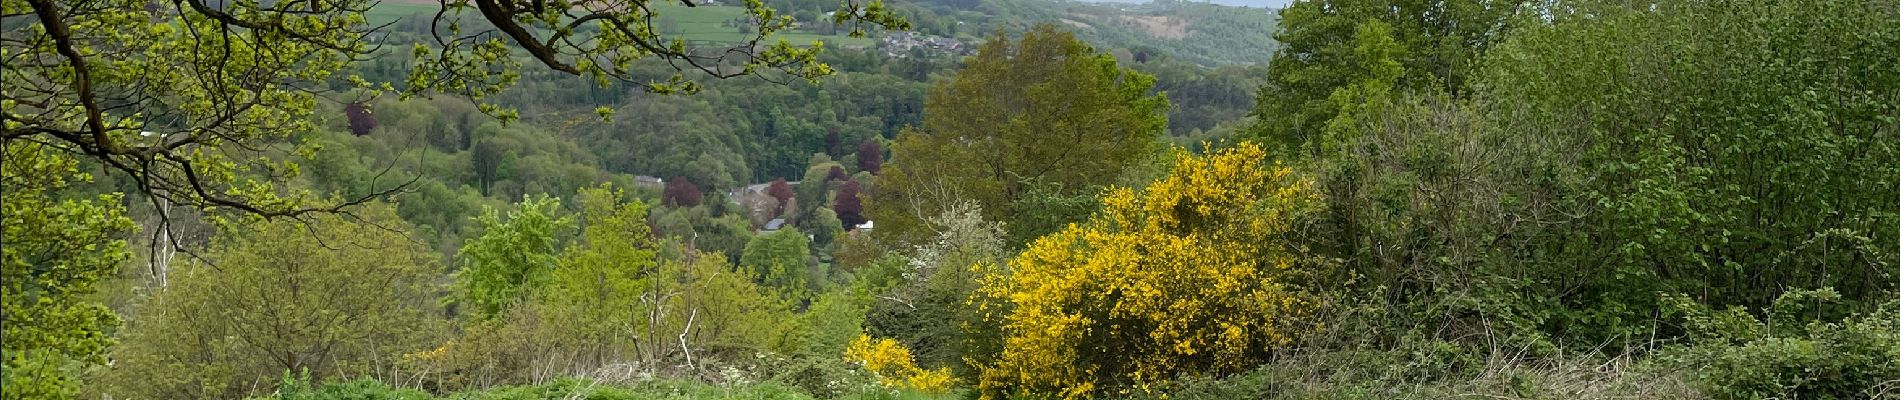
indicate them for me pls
(680, 192)
(850, 210)
(781, 191)
(870, 156)
(836, 174)
(362, 121)
(832, 142)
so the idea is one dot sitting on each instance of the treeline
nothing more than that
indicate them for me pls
(729, 135)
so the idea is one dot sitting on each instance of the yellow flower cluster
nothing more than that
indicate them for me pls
(892, 365)
(1185, 276)
(437, 354)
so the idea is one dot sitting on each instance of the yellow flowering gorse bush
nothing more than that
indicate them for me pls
(1188, 275)
(891, 363)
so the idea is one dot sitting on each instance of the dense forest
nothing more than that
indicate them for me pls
(938, 199)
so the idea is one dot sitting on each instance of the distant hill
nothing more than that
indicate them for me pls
(1270, 4)
(1207, 34)
(1202, 33)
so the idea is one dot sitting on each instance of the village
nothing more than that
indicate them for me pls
(900, 44)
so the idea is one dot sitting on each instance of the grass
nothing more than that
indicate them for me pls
(573, 388)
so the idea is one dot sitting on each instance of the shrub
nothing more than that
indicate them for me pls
(892, 365)
(1740, 357)
(1191, 275)
(331, 296)
(298, 387)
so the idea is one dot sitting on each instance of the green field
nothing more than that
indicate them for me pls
(705, 23)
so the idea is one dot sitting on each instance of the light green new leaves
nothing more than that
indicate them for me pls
(56, 250)
(513, 257)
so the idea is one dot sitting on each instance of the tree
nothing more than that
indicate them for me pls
(721, 308)
(361, 121)
(199, 104)
(836, 173)
(600, 295)
(331, 297)
(118, 79)
(832, 141)
(824, 228)
(1190, 275)
(513, 257)
(1716, 167)
(816, 186)
(928, 309)
(849, 206)
(1044, 109)
(777, 259)
(57, 251)
(1368, 90)
(1439, 43)
(870, 156)
(782, 192)
(486, 158)
(680, 192)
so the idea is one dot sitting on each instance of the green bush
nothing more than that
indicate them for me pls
(1739, 357)
(298, 387)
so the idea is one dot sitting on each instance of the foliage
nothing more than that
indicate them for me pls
(599, 296)
(331, 297)
(1368, 88)
(926, 307)
(1789, 354)
(299, 387)
(1436, 43)
(814, 340)
(487, 158)
(59, 247)
(1724, 157)
(825, 228)
(892, 364)
(815, 189)
(781, 192)
(735, 316)
(1191, 275)
(1046, 108)
(1413, 372)
(362, 122)
(850, 204)
(681, 192)
(198, 105)
(698, 228)
(778, 259)
(513, 257)
(578, 388)
(691, 313)
(1054, 206)
(870, 156)
(1448, 224)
